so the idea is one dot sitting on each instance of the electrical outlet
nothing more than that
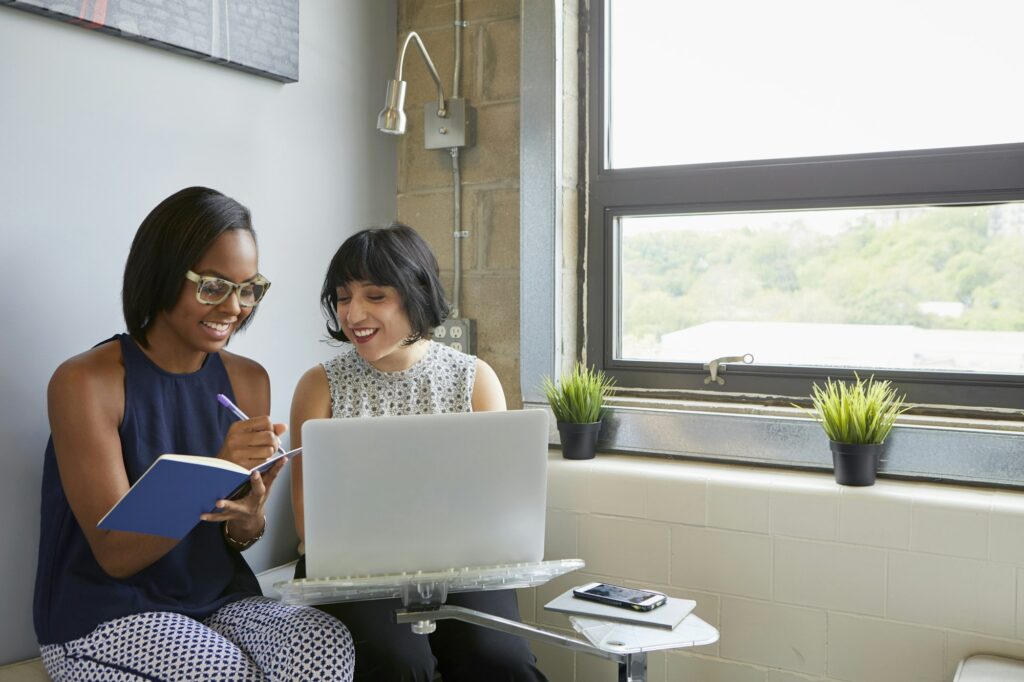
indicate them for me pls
(459, 333)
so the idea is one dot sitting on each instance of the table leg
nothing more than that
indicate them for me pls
(633, 668)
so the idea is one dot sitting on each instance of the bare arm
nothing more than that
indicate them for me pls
(488, 395)
(312, 400)
(85, 402)
(248, 443)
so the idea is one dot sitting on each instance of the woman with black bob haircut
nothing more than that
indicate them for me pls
(382, 293)
(117, 605)
(395, 256)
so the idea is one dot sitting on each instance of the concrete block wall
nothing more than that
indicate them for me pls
(490, 169)
(805, 579)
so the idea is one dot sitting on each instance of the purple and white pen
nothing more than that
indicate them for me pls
(226, 402)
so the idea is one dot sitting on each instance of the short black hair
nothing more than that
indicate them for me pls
(168, 243)
(393, 256)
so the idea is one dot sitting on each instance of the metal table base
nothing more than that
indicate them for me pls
(632, 666)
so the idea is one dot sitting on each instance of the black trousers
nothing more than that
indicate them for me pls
(461, 652)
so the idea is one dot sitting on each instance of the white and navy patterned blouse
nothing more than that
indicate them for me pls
(440, 382)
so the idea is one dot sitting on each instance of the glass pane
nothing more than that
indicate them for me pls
(937, 288)
(693, 81)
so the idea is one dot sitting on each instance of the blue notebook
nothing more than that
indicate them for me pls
(168, 499)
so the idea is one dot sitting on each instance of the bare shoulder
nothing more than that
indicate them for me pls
(488, 395)
(95, 377)
(482, 368)
(313, 384)
(250, 382)
(245, 368)
(312, 400)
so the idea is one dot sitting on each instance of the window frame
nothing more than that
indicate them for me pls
(963, 175)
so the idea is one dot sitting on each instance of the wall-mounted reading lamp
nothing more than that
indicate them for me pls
(449, 125)
(444, 126)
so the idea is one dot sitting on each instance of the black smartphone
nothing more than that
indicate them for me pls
(623, 597)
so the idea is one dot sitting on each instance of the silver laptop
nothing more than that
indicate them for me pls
(387, 495)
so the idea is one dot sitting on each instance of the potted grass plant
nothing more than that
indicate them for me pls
(856, 416)
(578, 402)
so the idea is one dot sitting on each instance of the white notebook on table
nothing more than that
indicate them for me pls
(623, 637)
(666, 616)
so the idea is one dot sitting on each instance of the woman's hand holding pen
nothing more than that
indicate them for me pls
(250, 442)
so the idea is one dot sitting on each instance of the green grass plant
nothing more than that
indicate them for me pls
(861, 411)
(579, 395)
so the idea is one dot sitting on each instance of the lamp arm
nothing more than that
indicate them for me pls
(442, 110)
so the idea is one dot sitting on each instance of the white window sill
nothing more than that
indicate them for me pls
(947, 450)
(573, 484)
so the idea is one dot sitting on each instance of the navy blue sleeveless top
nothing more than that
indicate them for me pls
(163, 413)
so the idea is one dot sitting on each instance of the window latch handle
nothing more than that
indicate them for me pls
(716, 367)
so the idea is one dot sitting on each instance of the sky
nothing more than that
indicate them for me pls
(696, 82)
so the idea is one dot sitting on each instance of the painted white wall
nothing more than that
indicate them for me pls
(94, 132)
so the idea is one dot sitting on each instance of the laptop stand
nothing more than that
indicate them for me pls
(423, 595)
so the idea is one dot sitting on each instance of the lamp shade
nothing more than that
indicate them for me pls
(391, 118)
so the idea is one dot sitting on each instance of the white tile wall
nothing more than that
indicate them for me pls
(784, 676)
(721, 561)
(947, 529)
(805, 579)
(805, 511)
(566, 488)
(773, 635)
(690, 667)
(871, 517)
(560, 535)
(1020, 603)
(881, 651)
(738, 506)
(830, 576)
(1006, 536)
(678, 500)
(620, 495)
(960, 594)
(633, 549)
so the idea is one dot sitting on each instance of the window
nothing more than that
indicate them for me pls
(831, 188)
(705, 82)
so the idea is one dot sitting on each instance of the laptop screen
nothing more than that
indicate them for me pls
(385, 495)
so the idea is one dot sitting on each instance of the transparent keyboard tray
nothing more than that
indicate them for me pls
(423, 587)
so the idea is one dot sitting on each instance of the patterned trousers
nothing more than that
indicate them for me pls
(252, 640)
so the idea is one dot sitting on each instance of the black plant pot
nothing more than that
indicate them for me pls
(579, 441)
(855, 463)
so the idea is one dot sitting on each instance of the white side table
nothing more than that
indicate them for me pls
(632, 642)
(423, 595)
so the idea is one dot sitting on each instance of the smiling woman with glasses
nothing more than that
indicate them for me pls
(109, 601)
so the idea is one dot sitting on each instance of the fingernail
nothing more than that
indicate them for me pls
(220, 505)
